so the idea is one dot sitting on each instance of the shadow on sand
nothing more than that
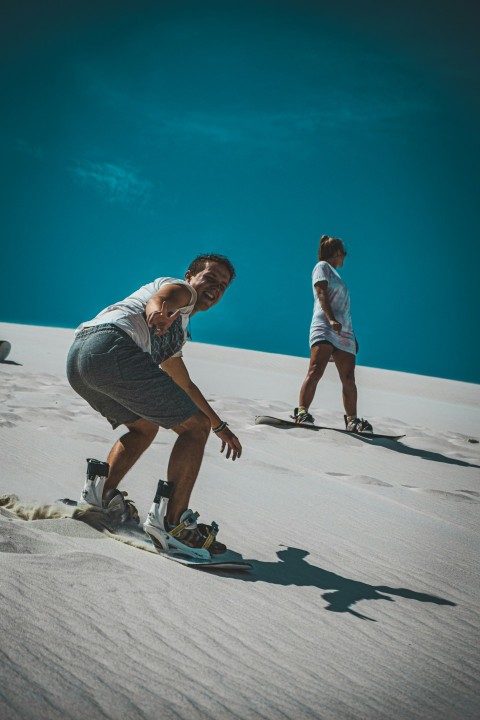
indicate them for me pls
(418, 452)
(292, 569)
(399, 447)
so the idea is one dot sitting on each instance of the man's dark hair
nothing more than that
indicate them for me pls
(200, 262)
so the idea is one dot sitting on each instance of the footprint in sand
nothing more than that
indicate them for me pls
(457, 496)
(277, 469)
(451, 496)
(368, 480)
(90, 437)
(361, 479)
(9, 419)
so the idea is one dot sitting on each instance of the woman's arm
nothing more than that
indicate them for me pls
(177, 370)
(321, 288)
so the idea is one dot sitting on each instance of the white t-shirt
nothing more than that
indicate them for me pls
(339, 298)
(129, 315)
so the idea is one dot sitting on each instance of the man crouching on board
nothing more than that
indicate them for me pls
(127, 364)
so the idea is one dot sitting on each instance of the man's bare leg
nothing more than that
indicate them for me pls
(185, 461)
(126, 451)
(184, 464)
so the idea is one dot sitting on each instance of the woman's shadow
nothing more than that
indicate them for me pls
(396, 446)
(419, 452)
(344, 593)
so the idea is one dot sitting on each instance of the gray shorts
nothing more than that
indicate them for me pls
(120, 381)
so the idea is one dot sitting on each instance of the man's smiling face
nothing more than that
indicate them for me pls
(210, 284)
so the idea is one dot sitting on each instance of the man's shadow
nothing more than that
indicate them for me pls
(343, 593)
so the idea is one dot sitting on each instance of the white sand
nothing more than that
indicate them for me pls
(91, 628)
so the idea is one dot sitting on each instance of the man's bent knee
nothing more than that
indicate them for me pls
(144, 427)
(198, 424)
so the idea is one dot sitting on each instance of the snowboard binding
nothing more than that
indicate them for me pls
(114, 502)
(200, 540)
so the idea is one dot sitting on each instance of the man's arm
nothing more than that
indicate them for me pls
(162, 308)
(176, 368)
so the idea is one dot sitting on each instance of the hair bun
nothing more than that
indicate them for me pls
(324, 238)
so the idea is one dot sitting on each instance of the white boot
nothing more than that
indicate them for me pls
(118, 509)
(97, 473)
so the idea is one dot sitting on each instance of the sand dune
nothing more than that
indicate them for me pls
(363, 600)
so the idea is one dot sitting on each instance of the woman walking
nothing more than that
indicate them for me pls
(331, 336)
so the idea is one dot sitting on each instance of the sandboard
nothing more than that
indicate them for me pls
(5, 348)
(220, 565)
(132, 531)
(277, 422)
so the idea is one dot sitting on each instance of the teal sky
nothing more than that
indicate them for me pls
(135, 135)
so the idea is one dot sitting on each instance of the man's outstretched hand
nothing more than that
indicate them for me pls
(161, 320)
(231, 442)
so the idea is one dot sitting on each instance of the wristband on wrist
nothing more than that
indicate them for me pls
(220, 427)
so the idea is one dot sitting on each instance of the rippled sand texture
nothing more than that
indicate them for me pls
(363, 600)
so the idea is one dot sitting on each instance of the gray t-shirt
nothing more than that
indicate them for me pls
(129, 315)
(339, 298)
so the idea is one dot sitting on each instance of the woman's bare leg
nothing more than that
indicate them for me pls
(345, 364)
(319, 357)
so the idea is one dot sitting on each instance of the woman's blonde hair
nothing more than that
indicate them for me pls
(329, 246)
